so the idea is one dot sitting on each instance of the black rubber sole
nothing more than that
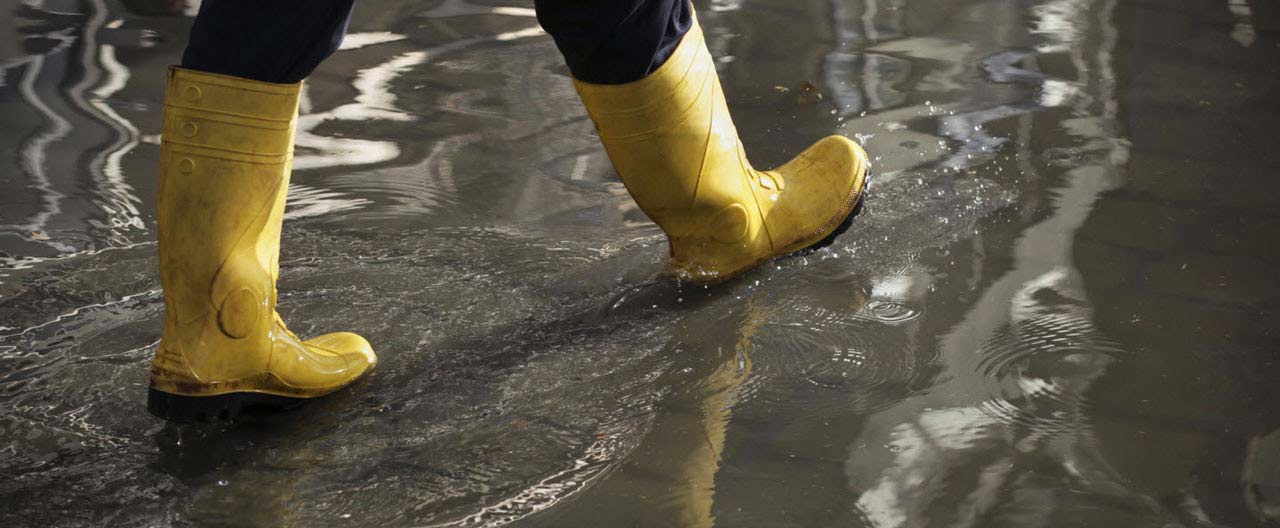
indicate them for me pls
(844, 224)
(223, 407)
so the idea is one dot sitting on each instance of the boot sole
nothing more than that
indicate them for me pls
(222, 407)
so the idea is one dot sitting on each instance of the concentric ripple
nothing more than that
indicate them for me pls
(841, 354)
(888, 312)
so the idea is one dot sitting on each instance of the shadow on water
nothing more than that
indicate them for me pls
(1056, 310)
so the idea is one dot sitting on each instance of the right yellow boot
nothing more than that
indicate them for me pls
(225, 155)
(676, 149)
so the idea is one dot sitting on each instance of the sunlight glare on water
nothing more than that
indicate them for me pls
(1057, 309)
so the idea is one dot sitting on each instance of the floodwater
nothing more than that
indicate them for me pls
(1059, 307)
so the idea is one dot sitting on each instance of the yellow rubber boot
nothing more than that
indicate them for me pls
(225, 155)
(672, 141)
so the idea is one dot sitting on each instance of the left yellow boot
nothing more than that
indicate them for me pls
(225, 154)
(674, 145)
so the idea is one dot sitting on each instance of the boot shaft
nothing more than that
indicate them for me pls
(672, 140)
(226, 149)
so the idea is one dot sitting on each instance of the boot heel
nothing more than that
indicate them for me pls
(223, 407)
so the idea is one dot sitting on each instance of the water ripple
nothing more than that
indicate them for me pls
(888, 312)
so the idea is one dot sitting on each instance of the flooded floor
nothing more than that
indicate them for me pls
(1058, 309)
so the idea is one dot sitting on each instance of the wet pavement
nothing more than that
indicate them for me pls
(1058, 309)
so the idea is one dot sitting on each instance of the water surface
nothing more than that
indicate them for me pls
(1058, 309)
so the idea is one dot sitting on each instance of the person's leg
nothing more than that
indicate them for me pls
(652, 90)
(225, 153)
(275, 41)
(615, 41)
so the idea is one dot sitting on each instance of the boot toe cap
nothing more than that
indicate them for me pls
(835, 164)
(824, 184)
(352, 347)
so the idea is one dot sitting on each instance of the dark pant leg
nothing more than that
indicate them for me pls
(276, 41)
(615, 41)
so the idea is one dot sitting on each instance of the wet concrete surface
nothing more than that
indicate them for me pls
(1058, 308)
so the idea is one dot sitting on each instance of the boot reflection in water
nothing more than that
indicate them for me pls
(643, 72)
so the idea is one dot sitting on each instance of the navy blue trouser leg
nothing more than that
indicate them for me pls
(276, 41)
(615, 41)
(282, 41)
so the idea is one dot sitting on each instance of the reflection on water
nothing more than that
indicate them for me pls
(64, 87)
(1055, 311)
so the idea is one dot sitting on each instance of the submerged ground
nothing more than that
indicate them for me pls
(1059, 308)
